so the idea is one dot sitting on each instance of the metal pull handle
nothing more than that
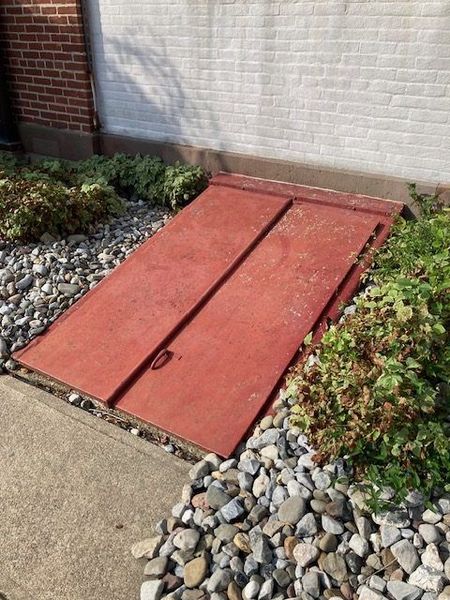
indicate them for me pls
(160, 359)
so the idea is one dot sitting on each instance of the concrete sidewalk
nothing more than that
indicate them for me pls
(75, 494)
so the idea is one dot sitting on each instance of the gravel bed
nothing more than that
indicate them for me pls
(270, 523)
(39, 281)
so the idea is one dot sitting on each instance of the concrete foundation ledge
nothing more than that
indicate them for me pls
(63, 143)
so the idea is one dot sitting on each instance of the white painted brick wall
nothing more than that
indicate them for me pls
(357, 84)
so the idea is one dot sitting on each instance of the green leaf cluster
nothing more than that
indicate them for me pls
(143, 177)
(380, 392)
(60, 196)
(29, 208)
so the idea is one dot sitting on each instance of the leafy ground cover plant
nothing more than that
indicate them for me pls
(60, 196)
(379, 390)
(144, 177)
(29, 208)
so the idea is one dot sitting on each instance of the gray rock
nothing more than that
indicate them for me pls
(260, 485)
(216, 497)
(430, 533)
(156, 567)
(40, 270)
(431, 517)
(68, 289)
(403, 591)
(334, 564)
(250, 466)
(259, 544)
(251, 589)
(219, 580)
(444, 505)
(389, 535)
(282, 578)
(331, 525)
(447, 568)
(25, 282)
(227, 464)
(187, 539)
(367, 594)
(406, 555)
(292, 510)
(151, 590)
(377, 583)
(225, 533)
(328, 543)
(431, 558)
(270, 436)
(307, 526)
(199, 470)
(311, 584)
(396, 518)
(359, 545)
(4, 353)
(233, 510)
(266, 591)
(364, 527)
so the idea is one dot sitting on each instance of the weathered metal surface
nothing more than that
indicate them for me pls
(106, 336)
(194, 331)
(226, 361)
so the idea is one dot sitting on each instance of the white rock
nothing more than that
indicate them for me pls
(427, 579)
(359, 545)
(403, 591)
(406, 555)
(431, 558)
(367, 594)
(429, 516)
(305, 554)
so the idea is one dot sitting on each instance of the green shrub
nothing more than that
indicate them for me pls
(182, 183)
(379, 392)
(144, 177)
(9, 162)
(29, 208)
(61, 196)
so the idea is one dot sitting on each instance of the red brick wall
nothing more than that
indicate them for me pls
(46, 62)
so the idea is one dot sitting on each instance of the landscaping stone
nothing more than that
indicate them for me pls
(147, 548)
(430, 533)
(306, 554)
(367, 594)
(195, 572)
(431, 558)
(152, 590)
(187, 539)
(403, 591)
(335, 565)
(156, 567)
(39, 281)
(427, 579)
(292, 510)
(406, 555)
(261, 527)
(219, 580)
(390, 535)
